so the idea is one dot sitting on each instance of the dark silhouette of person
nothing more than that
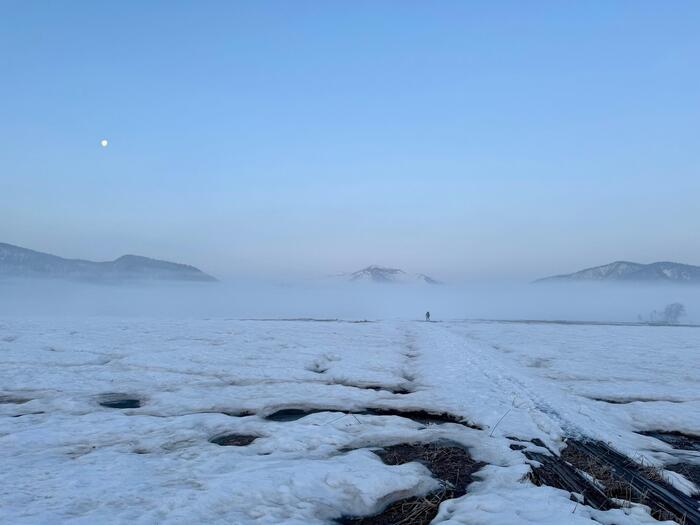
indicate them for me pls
(427, 316)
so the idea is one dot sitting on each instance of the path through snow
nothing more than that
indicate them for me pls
(68, 458)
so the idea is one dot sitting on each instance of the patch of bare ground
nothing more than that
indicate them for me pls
(422, 416)
(449, 462)
(677, 440)
(119, 400)
(419, 416)
(233, 440)
(605, 478)
(286, 415)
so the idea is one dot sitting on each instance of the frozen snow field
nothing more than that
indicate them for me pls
(175, 386)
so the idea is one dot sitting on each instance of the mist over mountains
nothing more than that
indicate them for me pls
(23, 263)
(625, 271)
(382, 274)
(18, 262)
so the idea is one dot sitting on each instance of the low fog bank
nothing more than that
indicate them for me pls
(247, 299)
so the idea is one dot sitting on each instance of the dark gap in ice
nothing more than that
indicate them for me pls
(677, 440)
(398, 390)
(13, 400)
(422, 416)
(29, 414)
(611, 401)
(515, 446)
(122, 403)
(118, 400)
(419, 416)
(292, 414)
(233, 440)
(449, 462)
(626, 401)
(240, 413)
(616, 476)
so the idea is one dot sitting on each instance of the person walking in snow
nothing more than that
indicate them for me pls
(427, 316)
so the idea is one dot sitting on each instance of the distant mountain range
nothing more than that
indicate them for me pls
(624, 271)
(23, 263)
(382, 274)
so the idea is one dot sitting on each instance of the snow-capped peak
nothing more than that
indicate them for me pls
(383, 274)
(629, 271)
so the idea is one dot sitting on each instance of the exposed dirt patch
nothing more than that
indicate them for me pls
(233, 440)
(449, 462)
(293, 414)
(419, 416)
(119, 400)
(554, 472)
(422, 416)
(611, 477)
(677, 440)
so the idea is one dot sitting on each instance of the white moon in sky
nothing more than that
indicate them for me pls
(104, 143)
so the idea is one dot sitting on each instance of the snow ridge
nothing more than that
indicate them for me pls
(16, 261)
(663, 271)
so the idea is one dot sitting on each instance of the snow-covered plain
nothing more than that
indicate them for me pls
(67, 459)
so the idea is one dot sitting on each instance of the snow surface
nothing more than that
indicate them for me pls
(67, 459)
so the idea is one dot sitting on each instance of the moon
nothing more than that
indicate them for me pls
(104, 143)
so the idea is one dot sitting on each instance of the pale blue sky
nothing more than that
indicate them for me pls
(462, 139)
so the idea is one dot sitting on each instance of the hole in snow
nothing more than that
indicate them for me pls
(118, 400)
(449, 462)
(422, 416)
(396, 389)
(28, 414)
(627, 400)
(419, 416)
(293, 414)
(317, 368)
(233, 440)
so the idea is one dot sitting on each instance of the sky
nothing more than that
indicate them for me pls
(463, 139)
